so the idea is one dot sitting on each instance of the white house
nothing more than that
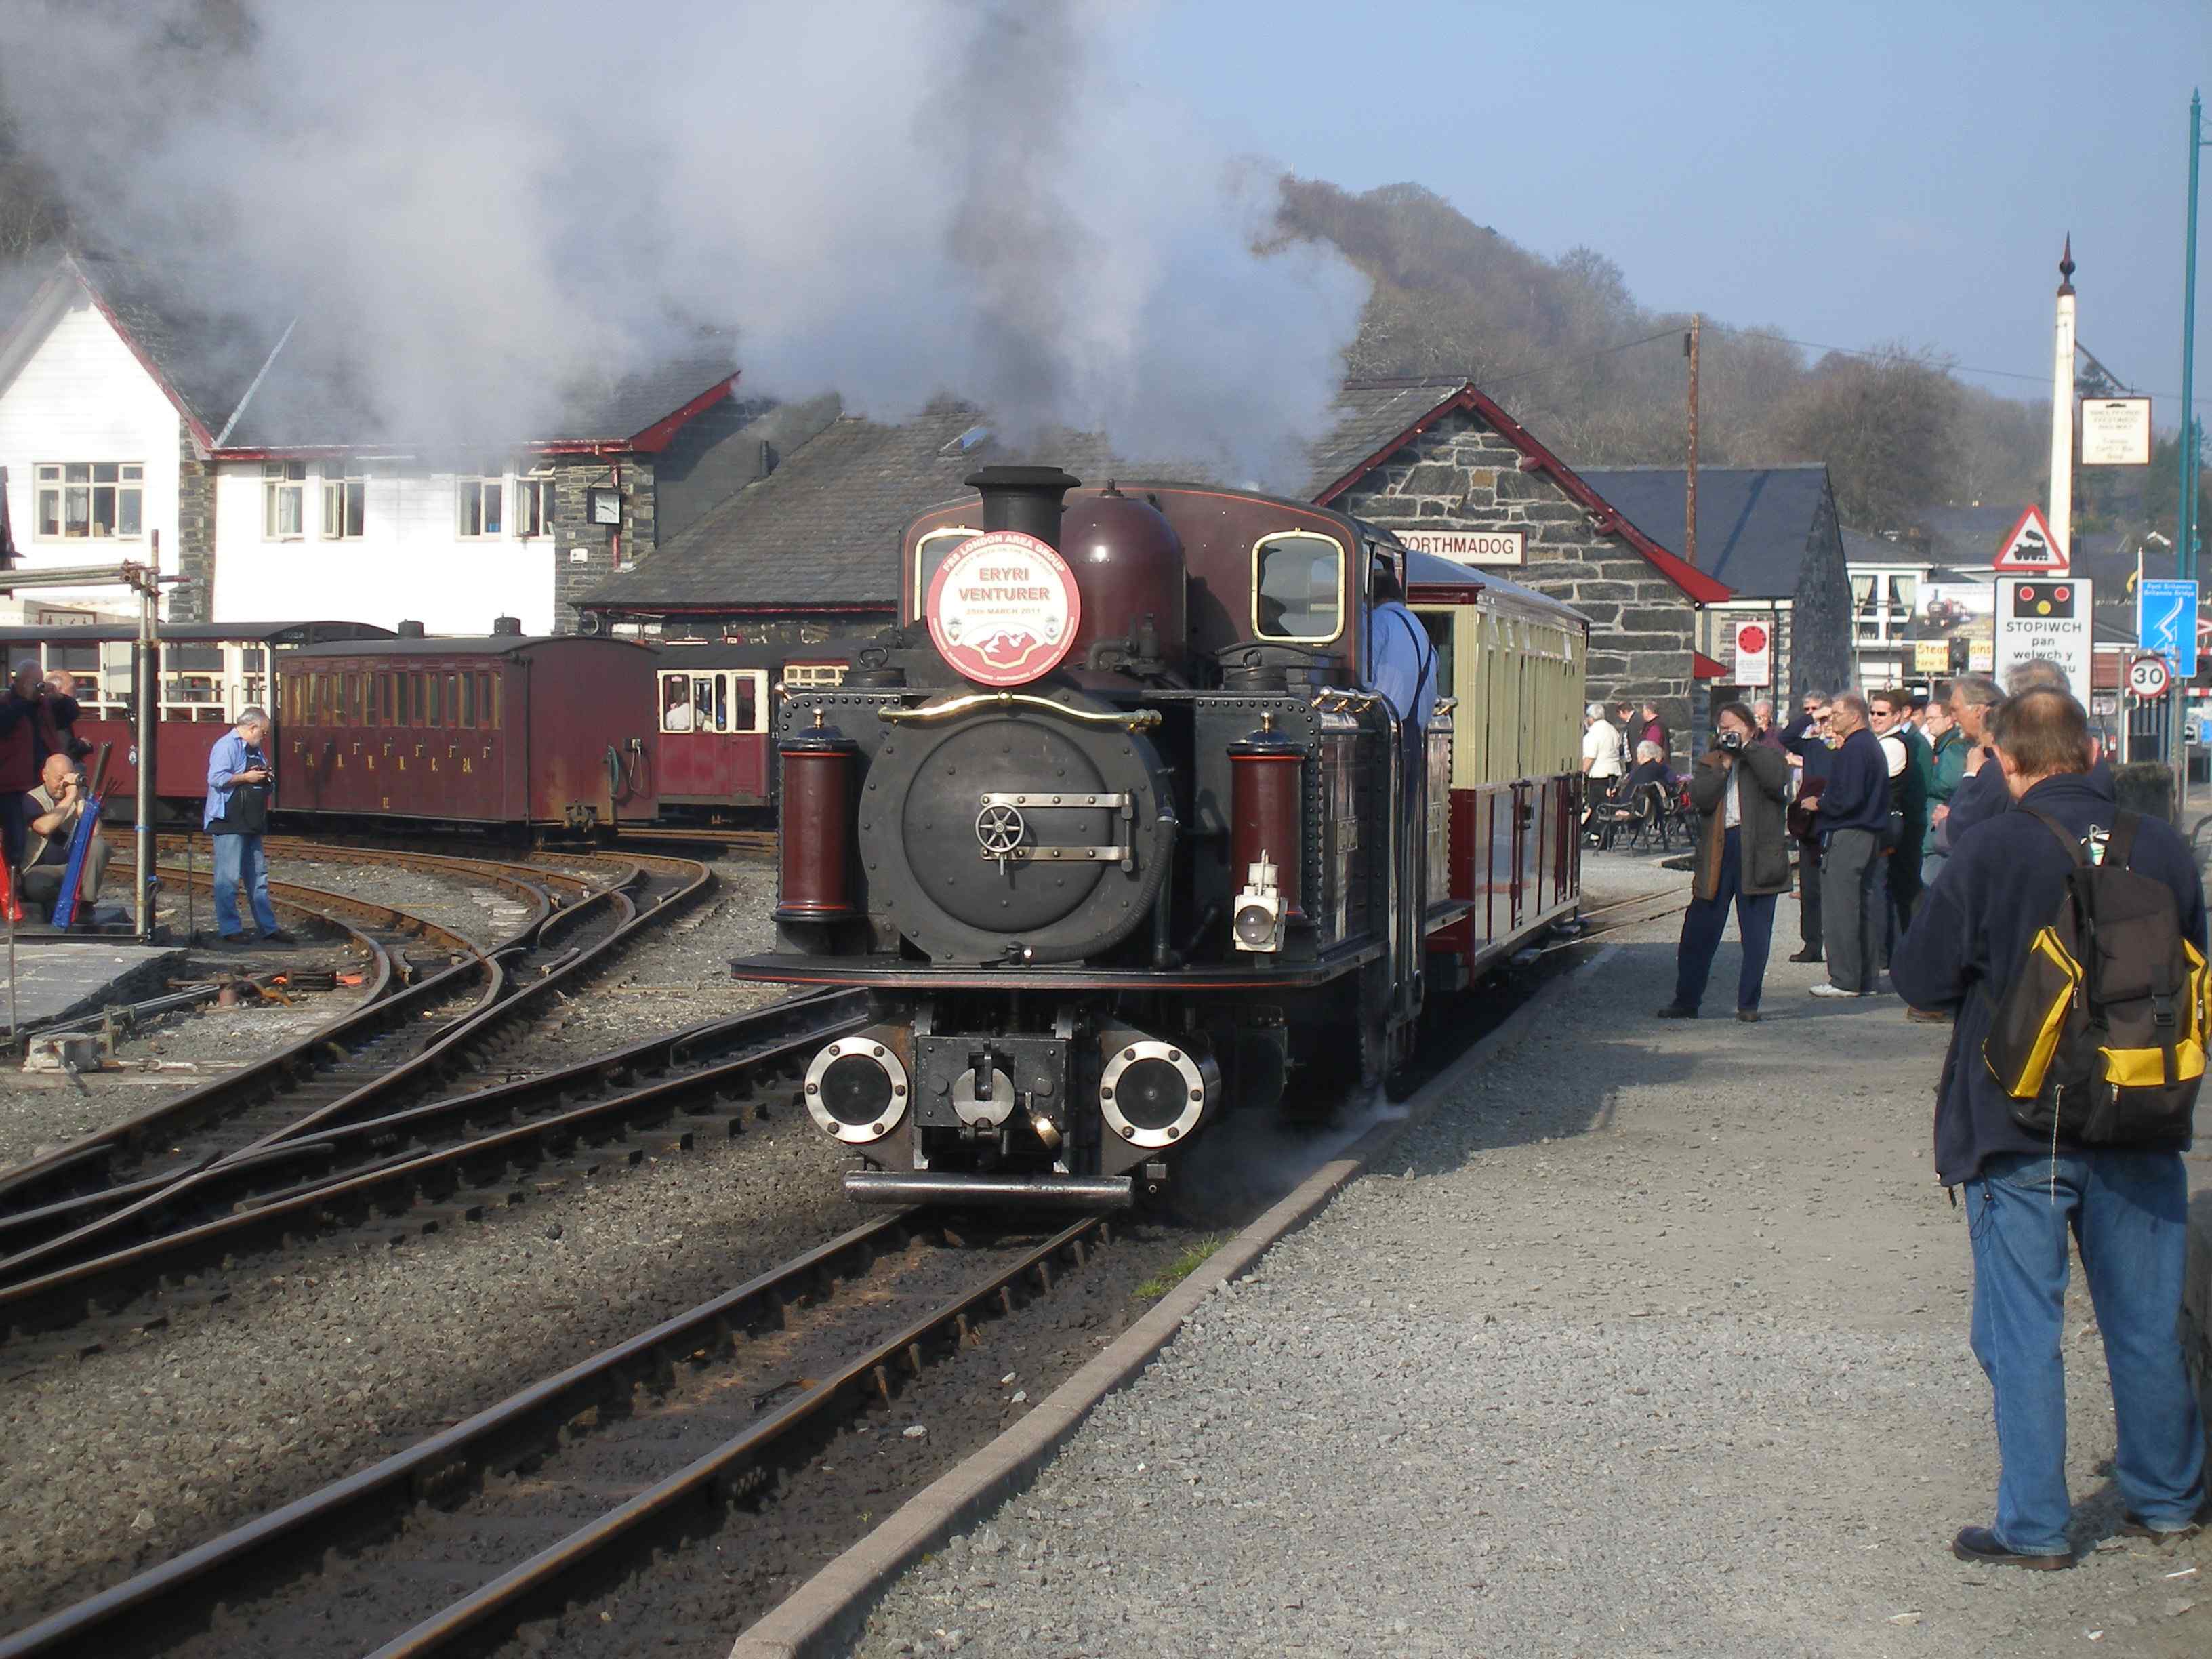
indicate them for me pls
(128, 414)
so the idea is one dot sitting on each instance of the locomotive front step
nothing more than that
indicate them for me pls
(1005, 1191)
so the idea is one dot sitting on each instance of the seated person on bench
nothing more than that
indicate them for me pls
(52, 810)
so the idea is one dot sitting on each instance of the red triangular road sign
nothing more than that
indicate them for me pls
(2031, 549)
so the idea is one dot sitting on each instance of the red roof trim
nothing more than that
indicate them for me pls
(1699, 587)
(1704, 668)
(200, 433)
(618, 608)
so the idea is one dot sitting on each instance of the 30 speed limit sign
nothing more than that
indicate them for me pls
(2147, 676)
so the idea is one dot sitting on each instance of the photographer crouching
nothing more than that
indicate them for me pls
(58, 804)
(1741, 788)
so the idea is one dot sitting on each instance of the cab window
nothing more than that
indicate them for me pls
(1297, 587)
(929, 553)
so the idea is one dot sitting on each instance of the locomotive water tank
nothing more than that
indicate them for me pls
(1128, 564)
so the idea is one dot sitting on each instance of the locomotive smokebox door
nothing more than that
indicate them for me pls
(1018, 833)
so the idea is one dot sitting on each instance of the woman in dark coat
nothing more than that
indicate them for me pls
(1741, 790)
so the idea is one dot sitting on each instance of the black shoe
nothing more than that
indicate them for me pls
(228, 942)
(280, 937)
(1806, 955)
(1673, 1011)
(1980, 1544)
(1749, 1016)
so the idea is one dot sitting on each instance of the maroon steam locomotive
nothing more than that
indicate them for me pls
(1116, 840)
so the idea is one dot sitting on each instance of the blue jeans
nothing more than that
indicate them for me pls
(2129, 1212)
(1706, 919)
(239, 861)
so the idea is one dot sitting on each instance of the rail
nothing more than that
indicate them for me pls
(151, 1611)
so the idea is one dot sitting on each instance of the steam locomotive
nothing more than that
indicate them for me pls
(1116, 839)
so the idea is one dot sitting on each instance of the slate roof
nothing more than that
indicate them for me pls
(824, 528)
(1754, 523)
(252, 381)
(1371, 414)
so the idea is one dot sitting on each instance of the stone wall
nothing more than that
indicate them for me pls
(193, 556)
(584, 551)
(1462, 475)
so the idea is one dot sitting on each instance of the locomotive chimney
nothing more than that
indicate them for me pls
(1023, 498)
(411, 630)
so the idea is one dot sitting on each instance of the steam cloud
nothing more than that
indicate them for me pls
(481, 205)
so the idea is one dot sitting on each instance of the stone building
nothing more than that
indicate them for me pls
(1771, 534)
(1450, 472)
(132, 414)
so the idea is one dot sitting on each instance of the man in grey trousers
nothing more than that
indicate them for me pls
(1854, 809)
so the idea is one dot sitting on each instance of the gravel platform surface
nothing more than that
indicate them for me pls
(322, 1361)
(1653, 1339)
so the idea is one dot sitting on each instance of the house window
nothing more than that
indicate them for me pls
(533, 501)
(483, 503)
(283, 500)
(95, 500)
(345, 499)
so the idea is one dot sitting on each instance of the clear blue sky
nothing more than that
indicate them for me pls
(1852, 174)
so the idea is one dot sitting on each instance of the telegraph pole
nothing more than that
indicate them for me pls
(2061, 412)
(1690, 506)
(2185, 537)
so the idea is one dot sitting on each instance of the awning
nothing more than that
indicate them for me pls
(1705, 668)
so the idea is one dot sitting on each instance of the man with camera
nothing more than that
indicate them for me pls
(1741, 789)
(240, 779)
(57, 806)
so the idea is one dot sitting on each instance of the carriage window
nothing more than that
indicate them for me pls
(434, 712)
(353, 700)
(929, 553)
(677, 712)
(1297, 587)
(488, 700)
(372, 687)
(416, 706)
(452, 701)
(469, 700)
(710, 703)
(745, 698)
(316, 700)
(384, 696)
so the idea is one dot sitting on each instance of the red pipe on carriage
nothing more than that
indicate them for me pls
(816, 845)
(1266, 795)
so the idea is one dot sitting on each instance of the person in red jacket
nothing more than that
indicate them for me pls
(20, 755)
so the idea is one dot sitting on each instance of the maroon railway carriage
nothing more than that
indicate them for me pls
(504, 729)
(716, 704)
(208, 672)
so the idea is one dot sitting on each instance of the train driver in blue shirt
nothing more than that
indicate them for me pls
(1401, 663)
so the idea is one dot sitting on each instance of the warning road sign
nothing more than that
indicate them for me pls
(2031, 549)
(2048, 619)
(2147, 676)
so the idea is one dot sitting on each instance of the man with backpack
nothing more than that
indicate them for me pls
(2069, 937)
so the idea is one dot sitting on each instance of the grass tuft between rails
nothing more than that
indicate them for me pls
(1181, 1269)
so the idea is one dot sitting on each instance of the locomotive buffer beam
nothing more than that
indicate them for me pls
(1058, 1192)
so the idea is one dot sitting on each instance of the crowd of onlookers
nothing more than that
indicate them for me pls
(1974, 848)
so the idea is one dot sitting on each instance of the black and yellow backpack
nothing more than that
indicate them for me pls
(2099, 1039)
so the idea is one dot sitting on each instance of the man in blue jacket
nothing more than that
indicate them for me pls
(237, 815)
(1969, 940)
(1853, 811)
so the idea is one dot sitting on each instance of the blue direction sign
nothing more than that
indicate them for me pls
(2166, 622)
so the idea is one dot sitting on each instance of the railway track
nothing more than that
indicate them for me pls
(656, 1439)
(423, 1166)
(344, 1103)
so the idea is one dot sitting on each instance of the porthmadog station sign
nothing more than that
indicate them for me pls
(1493, 549)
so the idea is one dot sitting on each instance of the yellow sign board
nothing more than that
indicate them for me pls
(1931, 656)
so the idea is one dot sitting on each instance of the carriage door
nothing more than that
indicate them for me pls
(1524, 838)
(748, 740)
